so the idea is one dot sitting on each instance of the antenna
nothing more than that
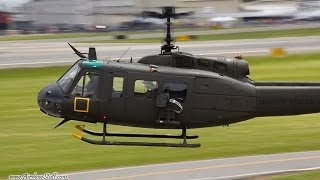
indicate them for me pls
(123, 54)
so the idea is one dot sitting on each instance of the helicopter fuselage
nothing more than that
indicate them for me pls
(151, 96)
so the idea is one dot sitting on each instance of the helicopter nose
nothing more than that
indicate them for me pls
(50, 100)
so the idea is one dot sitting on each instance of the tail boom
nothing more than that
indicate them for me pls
(279, 99)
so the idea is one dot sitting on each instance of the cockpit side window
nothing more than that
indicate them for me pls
(87, 86)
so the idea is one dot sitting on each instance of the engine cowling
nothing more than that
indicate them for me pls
(228, 66)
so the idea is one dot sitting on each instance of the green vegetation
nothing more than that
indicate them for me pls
(313, 175)
(227, 36)
(296, 67)
(30, 144)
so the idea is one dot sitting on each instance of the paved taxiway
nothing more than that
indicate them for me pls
(227, 168)
(44, 53)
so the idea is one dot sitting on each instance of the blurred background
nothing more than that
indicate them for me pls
(279, 38)
(60, 16)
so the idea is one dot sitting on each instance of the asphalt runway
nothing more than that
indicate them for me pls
(48, 53)
(227, 168)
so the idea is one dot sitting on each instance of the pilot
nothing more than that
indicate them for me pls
(239, 56)
(92, 86)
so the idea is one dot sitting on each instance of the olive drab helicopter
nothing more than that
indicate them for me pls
(170, 90)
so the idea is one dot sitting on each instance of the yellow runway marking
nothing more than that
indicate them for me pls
(211, 167)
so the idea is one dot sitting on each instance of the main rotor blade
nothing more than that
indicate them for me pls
(62, 122)
(77, 52)
(165, 15)
(183, 14)
(152, 14)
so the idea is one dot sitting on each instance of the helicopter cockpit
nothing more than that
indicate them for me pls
(77, 86)
(50, 98)
(86, 83)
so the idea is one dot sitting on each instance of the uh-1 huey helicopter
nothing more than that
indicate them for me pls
(170, 90)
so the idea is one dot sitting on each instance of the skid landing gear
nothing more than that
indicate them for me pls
(104, 134)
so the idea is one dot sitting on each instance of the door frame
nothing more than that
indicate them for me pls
(91, 103)
(119, 101)
(152, 111)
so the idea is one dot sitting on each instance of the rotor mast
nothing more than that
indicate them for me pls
(168, 12)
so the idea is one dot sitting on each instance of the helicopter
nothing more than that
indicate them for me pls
(170, 90)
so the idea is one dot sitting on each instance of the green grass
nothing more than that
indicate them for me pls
(296, 67)
(313, 175)
(227, 36)
(30, 144)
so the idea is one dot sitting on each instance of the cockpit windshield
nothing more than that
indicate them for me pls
(67, 79)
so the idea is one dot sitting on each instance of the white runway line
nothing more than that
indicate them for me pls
(260, 173)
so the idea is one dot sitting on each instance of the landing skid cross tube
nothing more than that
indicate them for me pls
(104, 134)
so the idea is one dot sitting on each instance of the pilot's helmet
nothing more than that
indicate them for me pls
(92, 76)
(239, 56)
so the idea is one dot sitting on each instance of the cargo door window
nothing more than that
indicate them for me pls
(145, 88)
(117, 86)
